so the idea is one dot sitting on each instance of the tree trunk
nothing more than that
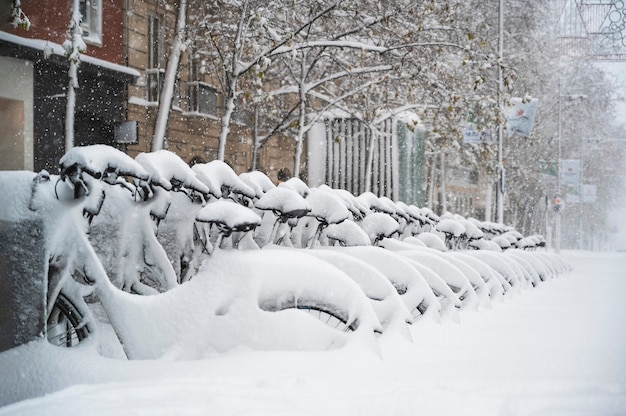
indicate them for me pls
(76, 46)
(225, 123)
(232, 85)
(70, 107)
(167, 91)
(301, 117)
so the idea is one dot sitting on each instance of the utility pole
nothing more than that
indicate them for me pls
(557, 226)
(557, 220)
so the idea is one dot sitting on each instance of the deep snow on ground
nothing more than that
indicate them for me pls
(558, 349)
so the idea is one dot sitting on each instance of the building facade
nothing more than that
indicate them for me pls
(34, 82)
(120, 79)
(193, 125)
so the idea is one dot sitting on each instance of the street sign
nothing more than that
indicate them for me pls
(471, 135)
(548, 167)
(570, 171)
(572, 194)
(589, 193)
(521, 116)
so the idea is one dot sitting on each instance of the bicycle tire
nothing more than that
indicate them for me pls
(324, 313)
(65, 326)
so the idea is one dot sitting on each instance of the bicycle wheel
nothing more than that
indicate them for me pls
(65, 326)
(328, 315)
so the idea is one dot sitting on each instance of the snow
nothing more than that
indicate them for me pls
(502, 241)
(348, 233)
(357, 209)
(229, 214)
(378, 225)
(54, 48)
(283, 201)
(375, 203)
(553, 350)
(449, 272)
(326, 207)
(218, 173)
(350, 306)
(258, 181)
(483, 244)
(100, 159)
(432, 240)
(450, 226)
(297, 185)
(403, 275)
(414, 241)
(169, 166)
(471, 230)
(142, 102)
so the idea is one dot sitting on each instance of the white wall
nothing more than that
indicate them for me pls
(16, 114)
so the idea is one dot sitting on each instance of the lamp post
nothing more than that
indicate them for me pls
(557, 220)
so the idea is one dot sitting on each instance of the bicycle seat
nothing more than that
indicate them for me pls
(375, 203)
(172, 169)
(284, 202)
(258, 181)
(326, 207)
(378, 225)
(218, 173)
(228, 216)
(101, 162)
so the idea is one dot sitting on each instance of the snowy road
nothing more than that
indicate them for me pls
(559, 349)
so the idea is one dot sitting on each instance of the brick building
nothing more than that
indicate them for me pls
(194, 121)
(34, 82)
(120, 77)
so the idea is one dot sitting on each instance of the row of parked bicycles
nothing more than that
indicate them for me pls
(109, 224)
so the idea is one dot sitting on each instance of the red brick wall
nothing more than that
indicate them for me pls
(49, 20)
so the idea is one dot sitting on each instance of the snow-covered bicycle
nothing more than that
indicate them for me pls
(54, 212)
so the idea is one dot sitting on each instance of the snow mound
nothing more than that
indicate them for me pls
(432, 240)
(378, 225)
(258, 181)
(450, 226)
(220, 175)
(326, 207)
(347, 233)
(100, 160)
(228, 214)
(297, 185)
(173, 169)
(284, 202)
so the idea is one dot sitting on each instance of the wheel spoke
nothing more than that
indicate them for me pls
(65, 326)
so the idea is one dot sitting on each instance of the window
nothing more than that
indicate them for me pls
(91, 24)
(154, 73)
(154, 42)
(176, 94)
(242, 115)
(202, 98)
(154, 82)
